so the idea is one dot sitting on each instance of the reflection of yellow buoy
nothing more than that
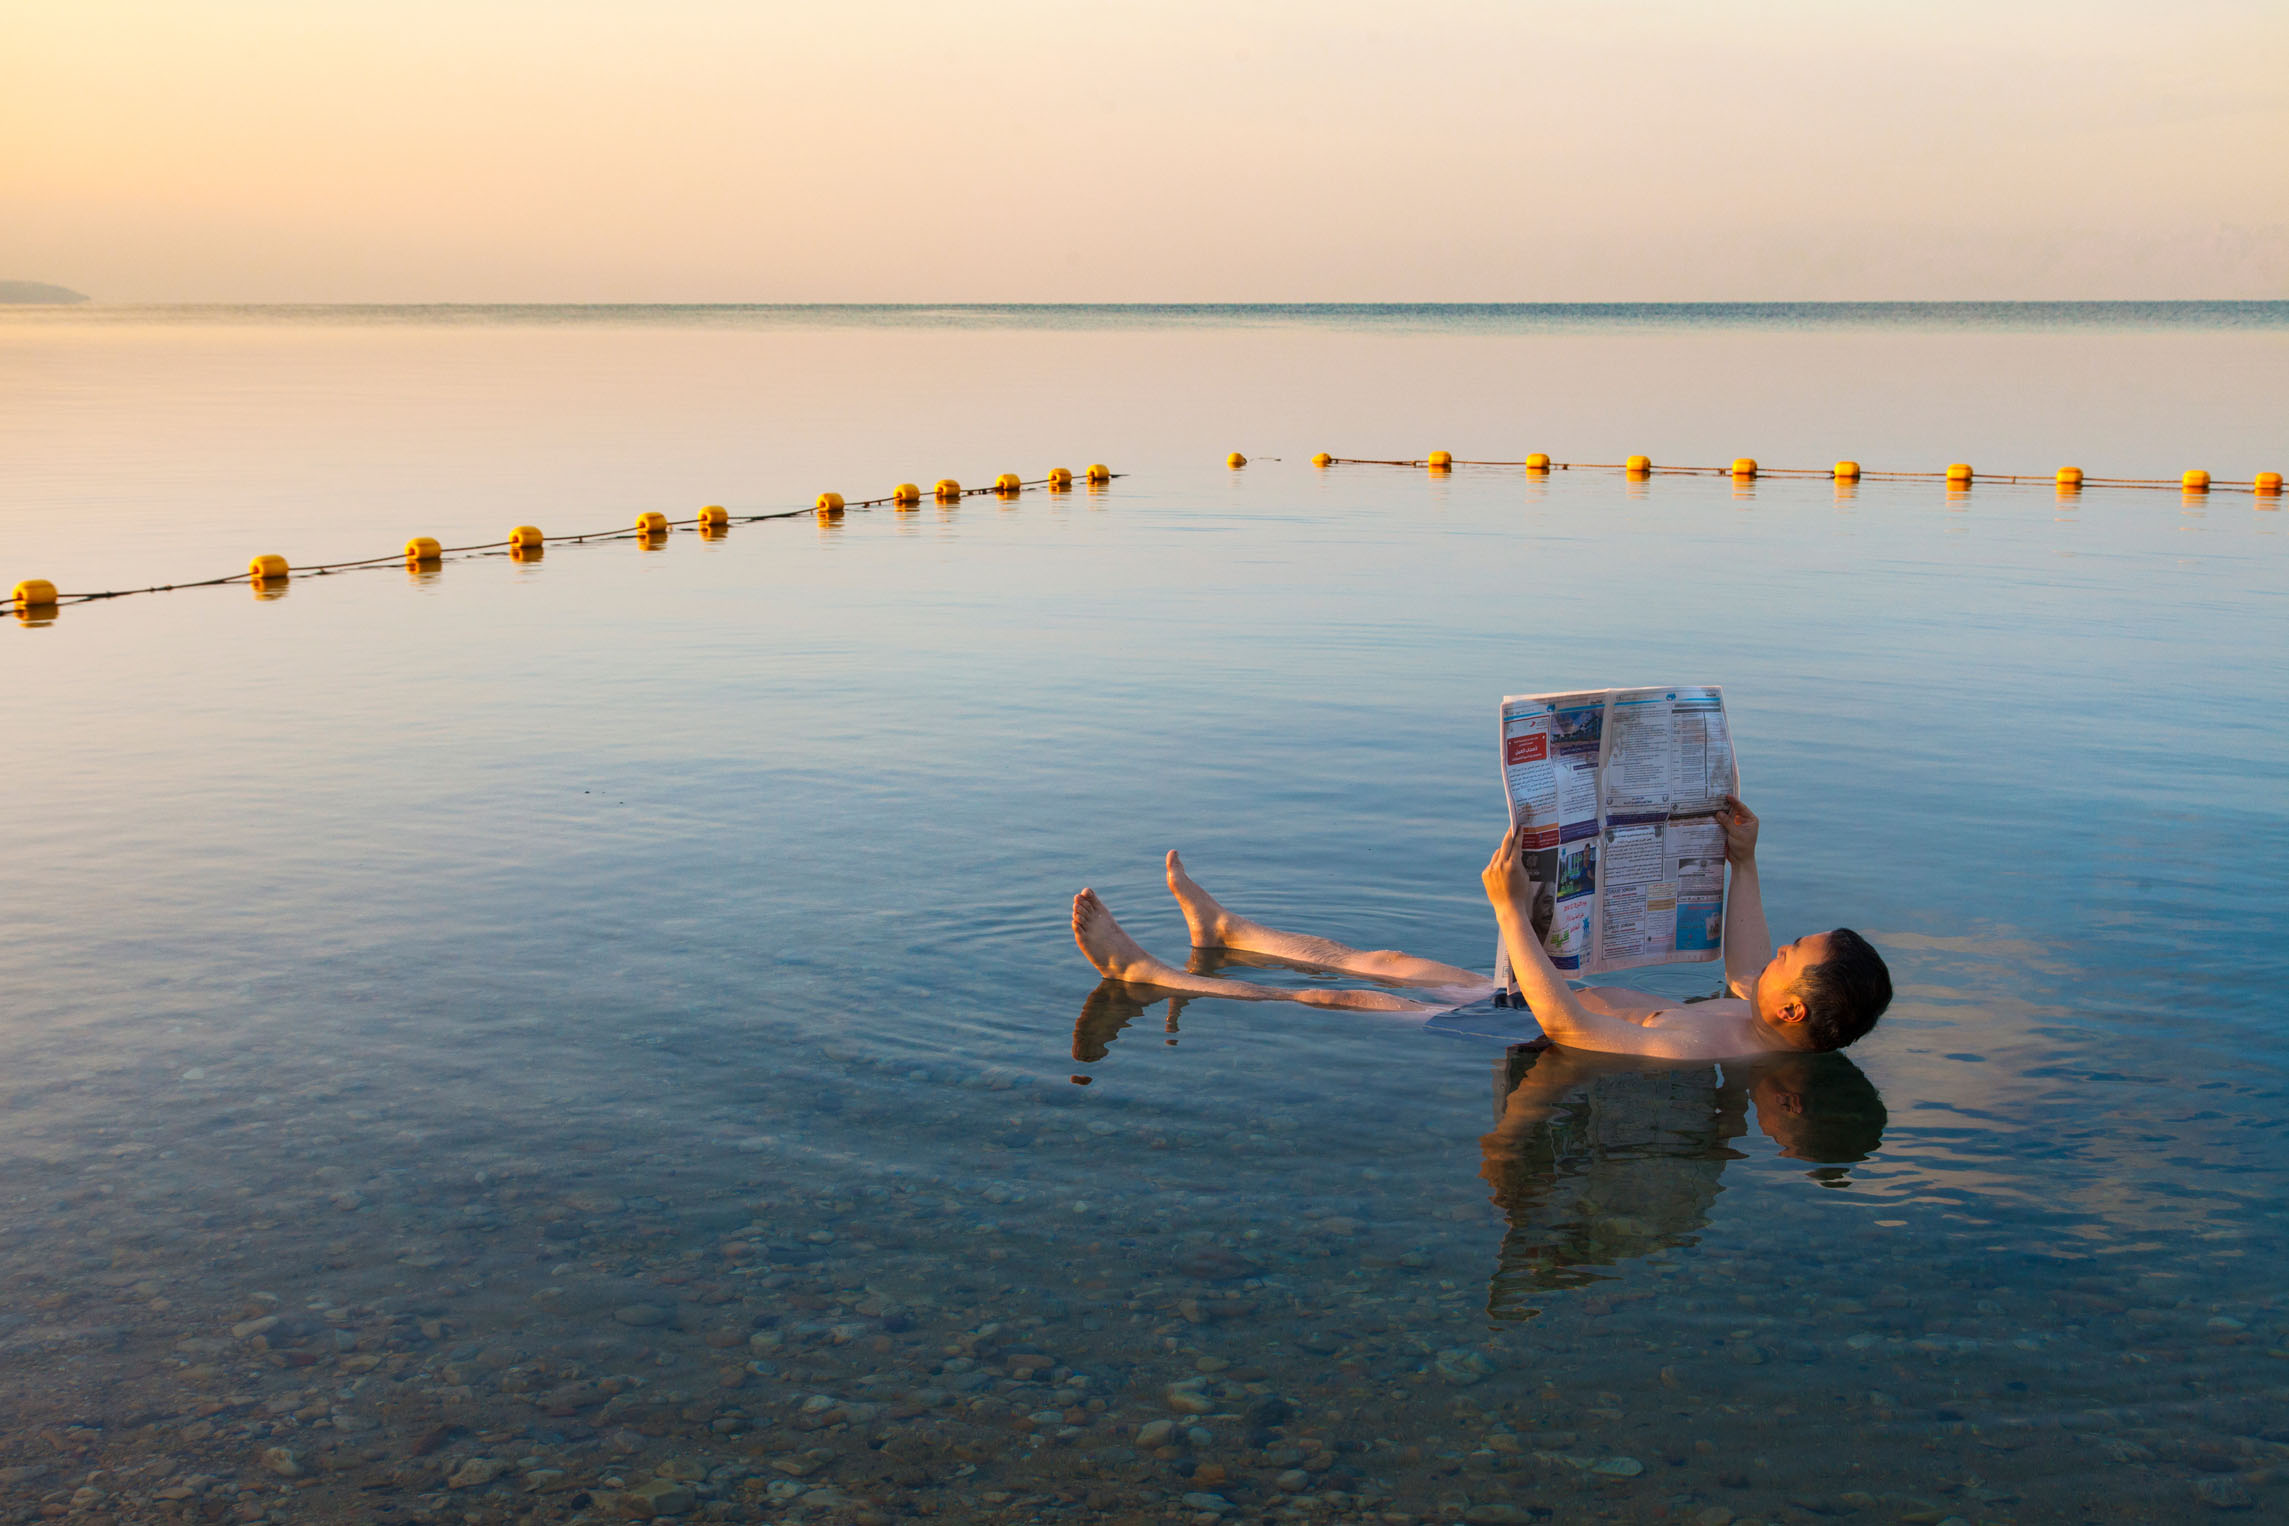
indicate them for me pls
(714, 517)
(2069, 476)
(2195, 481)
(422, 549)
(1638, 464)
(947, 490)
(1538, 462)
(1959, 473)
(1847, 471)
(34, 593)
(1060, 478)
(905, 494)
(525, 538)
(1323, 459)
(1744, 466)
(1100, 473)
(268, 569)
(1235, 460)
(652, 522)
(2268, 483)
(1008, 483)
(1440, 460)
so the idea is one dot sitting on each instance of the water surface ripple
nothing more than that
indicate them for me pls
(598, 1039)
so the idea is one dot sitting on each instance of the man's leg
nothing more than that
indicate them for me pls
(1117, 956)
(1214, 927)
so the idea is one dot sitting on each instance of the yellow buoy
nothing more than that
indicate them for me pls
(1638, 464)
(1440, 461)
(524, 538)
(1323, 459)
(422, 549)
(947, 490)
(1235, 460)
(1847, 471)
(2195, 481)
(1008, 482)
(1099, 473)
(652, 522)
(1060, 478)
(905, 495)
(1538, 462)
(34, 592)
(1744, 466)
(1959, 473)
(268, 569)
(2069, 476)
(828, 504)
(714, 517)
(2267, 483)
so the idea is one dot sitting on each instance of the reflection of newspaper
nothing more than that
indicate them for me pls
(1615, 793)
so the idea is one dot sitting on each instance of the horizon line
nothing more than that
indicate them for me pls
(1305, 304)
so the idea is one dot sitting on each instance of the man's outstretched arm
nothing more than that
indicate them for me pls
(1748, 943)
(1561, 1013)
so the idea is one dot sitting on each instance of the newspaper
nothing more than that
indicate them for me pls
(1615, 794)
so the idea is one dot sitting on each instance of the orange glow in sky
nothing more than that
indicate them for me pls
(1022, 150)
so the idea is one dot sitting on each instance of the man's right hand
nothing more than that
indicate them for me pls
(1505, 874)
(1740, 826)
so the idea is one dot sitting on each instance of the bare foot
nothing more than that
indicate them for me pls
(1116, 955)
(1209, 921)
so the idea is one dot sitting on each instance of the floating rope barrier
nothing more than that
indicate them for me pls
(2263, 485)
(36, 600)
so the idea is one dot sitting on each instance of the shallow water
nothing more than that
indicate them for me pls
(616, 1012)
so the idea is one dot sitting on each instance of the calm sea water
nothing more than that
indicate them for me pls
(598, 1037)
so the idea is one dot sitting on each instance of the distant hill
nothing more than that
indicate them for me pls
(38, 291)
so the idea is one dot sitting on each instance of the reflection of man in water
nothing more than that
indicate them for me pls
(1821, 992)
(1598, 1159)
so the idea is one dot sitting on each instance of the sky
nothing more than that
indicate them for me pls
(1093, 150)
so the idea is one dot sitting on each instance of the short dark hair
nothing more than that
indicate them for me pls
(1845, 993)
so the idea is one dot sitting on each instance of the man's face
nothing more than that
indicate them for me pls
(1776, 984)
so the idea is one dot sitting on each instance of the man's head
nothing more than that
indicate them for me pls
(1824, 990)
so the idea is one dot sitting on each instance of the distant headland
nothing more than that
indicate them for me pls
(38, 291)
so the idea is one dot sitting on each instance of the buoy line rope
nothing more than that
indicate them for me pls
(1821, 472)
(495, 547)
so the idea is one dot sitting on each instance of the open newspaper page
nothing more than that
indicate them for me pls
(1615, 794)
(1668, 768)
(1551, 747)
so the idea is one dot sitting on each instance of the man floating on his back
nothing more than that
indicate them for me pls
(1821, 992)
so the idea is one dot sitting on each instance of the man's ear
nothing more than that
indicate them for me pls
(1792, 1009)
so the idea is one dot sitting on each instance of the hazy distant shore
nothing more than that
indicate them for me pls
(39, 293)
